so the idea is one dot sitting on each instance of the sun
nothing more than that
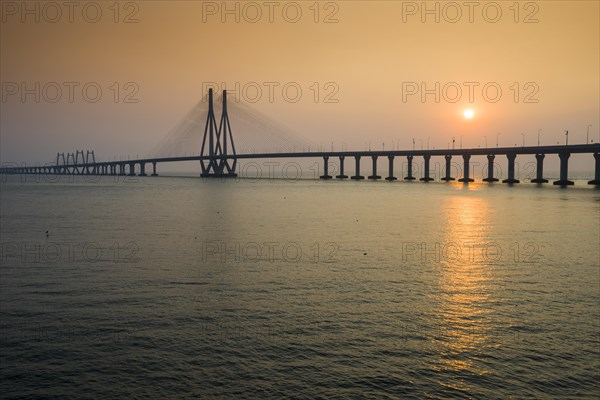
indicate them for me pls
(469, 113)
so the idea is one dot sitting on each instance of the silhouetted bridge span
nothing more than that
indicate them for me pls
(138, 166)
(218, 158)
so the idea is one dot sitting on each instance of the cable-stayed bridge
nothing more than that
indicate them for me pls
(218, 156)
(254, 132)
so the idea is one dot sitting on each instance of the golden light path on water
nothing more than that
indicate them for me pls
(465, 291)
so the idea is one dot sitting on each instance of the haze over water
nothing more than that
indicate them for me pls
(180, 287)
(275, 284)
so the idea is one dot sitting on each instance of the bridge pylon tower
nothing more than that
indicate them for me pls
(222, 161)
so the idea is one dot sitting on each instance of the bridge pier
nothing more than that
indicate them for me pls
(448, 166)
(219, 164)
(511, 169)
(357, 175)
(154, 169)
(465, 178)
(142, 169)
(374, 176)
(341, 175)
(426, 177)
(490, 177)
(131, 169)
(391, 176)
(325, 168)
(564, 170)
(122, 169)
(409, 176)
(596, 180)
(539, 169)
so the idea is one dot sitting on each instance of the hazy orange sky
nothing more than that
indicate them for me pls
(364, 55)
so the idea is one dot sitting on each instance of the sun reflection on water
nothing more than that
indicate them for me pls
(465, 290)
